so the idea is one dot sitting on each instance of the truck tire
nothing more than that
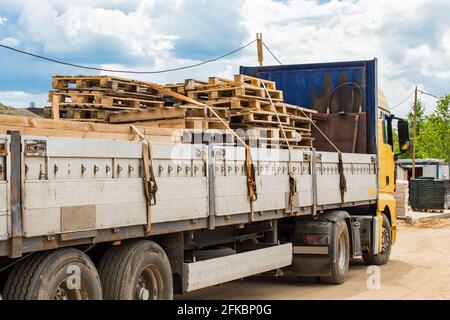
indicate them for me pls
(341, 262)
(64, 274)
(137, 270)
(386, 244)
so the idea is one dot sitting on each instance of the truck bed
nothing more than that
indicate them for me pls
(91, 190)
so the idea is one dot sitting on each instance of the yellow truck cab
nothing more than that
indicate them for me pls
(386, 161)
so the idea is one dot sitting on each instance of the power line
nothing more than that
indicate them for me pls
(125, 71)
(428, 94)
(398, 105)
(272, 53)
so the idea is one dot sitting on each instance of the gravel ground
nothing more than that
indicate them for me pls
(419, 269)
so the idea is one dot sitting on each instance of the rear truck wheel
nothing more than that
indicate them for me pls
(137, 270)
(64, 274)
(341, 262)
(386, 244)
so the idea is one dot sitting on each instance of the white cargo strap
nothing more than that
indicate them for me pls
(292, 178)
(150, 186)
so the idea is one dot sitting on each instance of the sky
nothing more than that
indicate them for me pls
(411, 40)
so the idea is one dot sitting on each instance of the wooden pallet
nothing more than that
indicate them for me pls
(201, 123)
(211, 135)
(242, 91)
(75, 98)
(429, 210)
(101, 82)
(256, 82)
(84, 114)
(147, 115)
(259, 117)
(178, 88)
(242, 102)
(229, 103)
(198, 111)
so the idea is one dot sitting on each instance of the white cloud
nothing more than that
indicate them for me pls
(21, 99)
(402, 40)
(9, 41)
(2, 20)
(413, 49)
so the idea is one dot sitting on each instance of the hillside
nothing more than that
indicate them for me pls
(16, 111)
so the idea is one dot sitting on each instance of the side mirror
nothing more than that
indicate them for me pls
(403, 135)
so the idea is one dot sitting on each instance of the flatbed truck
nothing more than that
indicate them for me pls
(77, 221)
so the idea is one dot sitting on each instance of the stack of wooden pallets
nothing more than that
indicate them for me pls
(94, 98)
(244, 103)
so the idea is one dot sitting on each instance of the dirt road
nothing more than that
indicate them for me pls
(419, 269)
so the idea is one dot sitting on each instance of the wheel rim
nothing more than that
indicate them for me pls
(342, 252)
(63, 292)
(385, 241)
(150, 285)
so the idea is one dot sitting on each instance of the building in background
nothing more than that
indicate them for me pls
(427, 168)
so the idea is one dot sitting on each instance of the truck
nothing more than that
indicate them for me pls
(89, 218)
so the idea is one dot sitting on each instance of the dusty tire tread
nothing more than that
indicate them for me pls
(24, 278)
(18, 284)
(111, 268)
(113, 265)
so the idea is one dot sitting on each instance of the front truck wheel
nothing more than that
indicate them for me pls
(137, 270)
(386, 244)
(64, 274)
(341, 262)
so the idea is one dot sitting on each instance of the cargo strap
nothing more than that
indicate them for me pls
(292, 178)
(251, 184)
(342, 179)
(150, 186)
(251, 181)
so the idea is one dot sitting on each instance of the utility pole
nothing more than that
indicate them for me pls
(259, 46)
(414, 136)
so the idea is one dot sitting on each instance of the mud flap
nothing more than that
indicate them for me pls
(314, 248)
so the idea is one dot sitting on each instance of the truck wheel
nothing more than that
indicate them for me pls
(342, 256)
(386, 243)
(64, 274)
(137, 270)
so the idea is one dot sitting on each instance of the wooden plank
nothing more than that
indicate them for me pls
(30, 131)
(55, 107)
(17, 121)
(146, 115)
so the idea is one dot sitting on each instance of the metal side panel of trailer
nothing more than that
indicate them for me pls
(75, 185)
(4, 187)
(272, 180)
(92, 190)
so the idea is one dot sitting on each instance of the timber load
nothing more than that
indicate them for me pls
(252, 107)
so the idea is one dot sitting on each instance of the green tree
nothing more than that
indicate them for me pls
(420, 120)
(434, 134)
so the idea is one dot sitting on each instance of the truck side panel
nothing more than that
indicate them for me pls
(72, 185)
(272, 180)
(4, 232)
(82, 184)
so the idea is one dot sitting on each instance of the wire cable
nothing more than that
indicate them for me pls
(125, 71)
(273, 55)
(350, 83)
(428, 94)
(399, 104)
